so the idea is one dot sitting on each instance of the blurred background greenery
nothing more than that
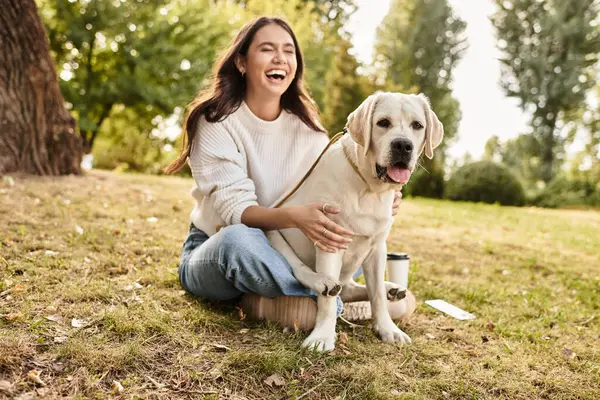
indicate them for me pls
(128, 68)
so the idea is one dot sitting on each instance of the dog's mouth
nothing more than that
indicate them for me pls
(396, 173)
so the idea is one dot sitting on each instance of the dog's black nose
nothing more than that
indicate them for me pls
(402, 146)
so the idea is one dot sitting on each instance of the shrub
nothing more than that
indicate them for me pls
(563, 192)
(426, 184)
(485, 181)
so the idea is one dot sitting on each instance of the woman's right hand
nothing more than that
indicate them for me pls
(325, 234)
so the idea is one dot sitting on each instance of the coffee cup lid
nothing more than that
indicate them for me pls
(398, 256)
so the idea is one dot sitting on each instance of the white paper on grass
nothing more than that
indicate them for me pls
(450, 309)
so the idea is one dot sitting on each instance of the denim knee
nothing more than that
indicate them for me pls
(240, 239)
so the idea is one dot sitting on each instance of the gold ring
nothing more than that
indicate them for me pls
(323, 231)
(324, 208)
(316, 243)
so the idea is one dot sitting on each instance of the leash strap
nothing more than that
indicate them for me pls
(334, 139)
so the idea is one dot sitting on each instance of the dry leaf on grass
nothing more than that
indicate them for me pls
(34, 376)
(221, 348)
(117, 387)
(5, 386)
(343, 338)
(54, 318)
(11, 317)
(78, 323)
(569, 354)
(275, 379)
(490, 325)
(429, 336)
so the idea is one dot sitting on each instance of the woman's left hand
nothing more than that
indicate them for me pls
(397, 201)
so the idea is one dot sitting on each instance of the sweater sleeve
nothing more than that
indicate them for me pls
(220, 172)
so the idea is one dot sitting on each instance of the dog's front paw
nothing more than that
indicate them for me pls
(390, 333)
(326, 285)
(320, 340)
(394, 291)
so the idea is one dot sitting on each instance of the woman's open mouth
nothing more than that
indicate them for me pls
(276, 75)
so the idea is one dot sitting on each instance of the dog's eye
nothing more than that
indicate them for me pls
(384, 123)
(416, 125)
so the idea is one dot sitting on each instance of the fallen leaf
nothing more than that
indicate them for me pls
(79, 229)
(569, 354)
(116, 232)
(13, 316)
(152, 219)
(343, 338)
(78, 323)
(546, 338)
(5, 386)
(296, 327)
(241, 313)
(54, 318)
(275, 379)
(34, 376)
(490, 325)
(117, 387)
(60, 339)
(18, 288)
(221, 348)
(429, 336)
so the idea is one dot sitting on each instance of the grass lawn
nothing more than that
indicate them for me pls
(100, 252)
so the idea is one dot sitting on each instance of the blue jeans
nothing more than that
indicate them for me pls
(236, 260)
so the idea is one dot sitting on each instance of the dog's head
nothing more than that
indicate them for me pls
(394, 129)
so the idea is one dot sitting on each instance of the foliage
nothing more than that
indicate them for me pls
(548, 49)
(487, 182)
(150, 53)
(419, 42)
(346, 89)
(425, 183)
(565, 192)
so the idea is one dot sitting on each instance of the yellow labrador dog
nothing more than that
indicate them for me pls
(358, 175)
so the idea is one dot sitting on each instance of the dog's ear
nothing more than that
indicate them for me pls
(360, 122)
(434, 130)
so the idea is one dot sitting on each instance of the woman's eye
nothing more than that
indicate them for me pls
(416, 125)
(290, 51)
(384, 123)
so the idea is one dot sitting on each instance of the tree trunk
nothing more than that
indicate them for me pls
(37, 133)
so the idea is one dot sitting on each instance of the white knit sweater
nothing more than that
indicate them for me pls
(243, 161)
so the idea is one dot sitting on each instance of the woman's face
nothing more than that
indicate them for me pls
(270, 64)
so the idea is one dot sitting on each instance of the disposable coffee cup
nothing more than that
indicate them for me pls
(397, 268)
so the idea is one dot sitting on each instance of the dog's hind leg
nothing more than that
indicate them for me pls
(322, 338)
(319, 282)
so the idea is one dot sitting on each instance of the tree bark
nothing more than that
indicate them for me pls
(37, 133)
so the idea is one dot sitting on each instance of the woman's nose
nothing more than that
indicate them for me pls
(280, 57)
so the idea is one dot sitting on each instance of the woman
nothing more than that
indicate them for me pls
(250, 139)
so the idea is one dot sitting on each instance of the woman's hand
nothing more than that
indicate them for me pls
(397, 201)
(325, 234)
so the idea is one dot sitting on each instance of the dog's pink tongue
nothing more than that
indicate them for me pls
(400, 175)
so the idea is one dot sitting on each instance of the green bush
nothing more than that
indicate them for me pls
(426, 184)
(563, 192)
(485, 181)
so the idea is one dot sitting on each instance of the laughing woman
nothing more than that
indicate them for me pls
(250, 138)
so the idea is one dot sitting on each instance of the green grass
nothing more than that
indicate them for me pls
(533, 273)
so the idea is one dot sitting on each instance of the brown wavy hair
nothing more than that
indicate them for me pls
(227, 91)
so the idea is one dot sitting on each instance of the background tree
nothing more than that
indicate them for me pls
(150, 53)
(37, 133)
(548, 49)
(419, 42)
(345, 89)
